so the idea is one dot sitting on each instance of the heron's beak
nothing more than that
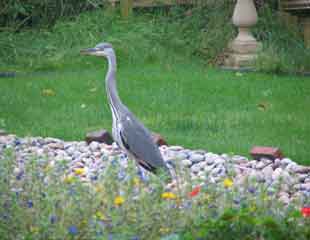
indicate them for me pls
(88, 51)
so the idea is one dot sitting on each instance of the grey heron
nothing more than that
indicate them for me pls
(128, 132)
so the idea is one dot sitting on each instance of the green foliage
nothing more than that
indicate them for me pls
(283, 46)
(48, 201)
(203, 31)
(17, 14)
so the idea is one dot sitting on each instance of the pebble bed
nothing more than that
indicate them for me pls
(291, 180)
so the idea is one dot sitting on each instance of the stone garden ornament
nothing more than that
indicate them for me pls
(128, 132)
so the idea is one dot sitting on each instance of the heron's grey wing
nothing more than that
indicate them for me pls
(138, 141)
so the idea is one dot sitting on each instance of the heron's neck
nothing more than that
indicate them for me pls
(111, 87)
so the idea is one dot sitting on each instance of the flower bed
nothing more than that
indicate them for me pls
(46, 193)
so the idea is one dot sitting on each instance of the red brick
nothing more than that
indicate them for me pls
(258, 152)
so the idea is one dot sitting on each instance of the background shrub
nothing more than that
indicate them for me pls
(20, 13)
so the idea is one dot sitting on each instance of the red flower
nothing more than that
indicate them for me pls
(195, 191)
(305, 211)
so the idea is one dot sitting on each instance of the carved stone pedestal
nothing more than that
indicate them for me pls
(243, 50)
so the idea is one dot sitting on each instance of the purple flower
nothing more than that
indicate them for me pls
(135, 238)
(30, 204)
(143, 177)
(73, 230)
(212, 206)
(19, 175)
(251, 190)
(94, 177)
(237, 201)
(53, 219)
(121, 174)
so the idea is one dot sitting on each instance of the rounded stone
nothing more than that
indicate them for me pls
(195, 158)
(186, 163)
(284, 197)
(195, 168)
(216, 171)
(267, 172)
(181, 156)
(175, 148)
(209, 168)
(276, 174)
(256, 176)
(286, 161)
(93, 146)
(239, 159)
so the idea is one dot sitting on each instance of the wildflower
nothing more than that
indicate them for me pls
(119, 200)
(53, 219)
(17, 142)
(305, 211)
(237, 201)
(207, 197)
(73, 230)
(228, 183)
(251, 190)
(34, 229)
(168, 195)
(79, 171)
(94, 177)
(143, 176)
(83, 222)
(99, 189)
(48, 167)
(195, 191)
(19, 175)
(29, 204)
(121, 175)
(253, 207)
(69, 179)
(136, 181)
(164, 230)
(100, 216)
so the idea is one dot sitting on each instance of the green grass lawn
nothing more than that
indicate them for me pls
(162, 78)
(189, 104)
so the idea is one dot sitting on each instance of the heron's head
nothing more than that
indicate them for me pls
(101, 50)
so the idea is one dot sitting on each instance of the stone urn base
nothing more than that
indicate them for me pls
(243, 50)
(242, 53)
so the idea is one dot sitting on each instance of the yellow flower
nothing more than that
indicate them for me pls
(99, 189)
(100, 216)
(48, 167)
(207, 197)
(136, 181)
(79, 171)
(69, 179)
(164, 230)
(34, 229)
(119, 201)
(253, 207)
(228, 183)
(168, 195)
(83, 222)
